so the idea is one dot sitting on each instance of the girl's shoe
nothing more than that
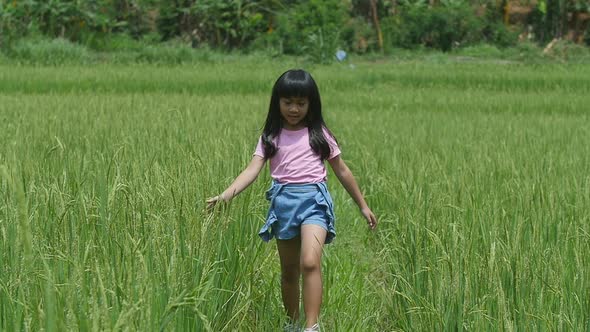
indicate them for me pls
(291, 327)
(314, 328)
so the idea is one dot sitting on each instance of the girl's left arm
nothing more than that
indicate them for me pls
(345, 177)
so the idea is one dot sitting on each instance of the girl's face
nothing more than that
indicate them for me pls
(293, 111)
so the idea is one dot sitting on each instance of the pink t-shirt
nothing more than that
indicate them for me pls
(295, 161)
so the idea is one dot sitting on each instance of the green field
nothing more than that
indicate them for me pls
(479, 173)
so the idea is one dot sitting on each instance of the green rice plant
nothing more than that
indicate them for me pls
(477, 172)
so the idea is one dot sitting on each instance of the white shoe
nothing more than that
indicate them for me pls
(291, 327)
(314, 328)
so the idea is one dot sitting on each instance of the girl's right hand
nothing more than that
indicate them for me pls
(211, 202)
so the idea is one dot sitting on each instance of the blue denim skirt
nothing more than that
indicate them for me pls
(293, 205)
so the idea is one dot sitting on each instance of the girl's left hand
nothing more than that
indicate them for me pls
(370, 217)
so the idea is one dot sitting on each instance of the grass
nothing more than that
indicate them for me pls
(478, 172)
(122, 50)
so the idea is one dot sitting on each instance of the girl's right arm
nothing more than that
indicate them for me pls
(242, 182)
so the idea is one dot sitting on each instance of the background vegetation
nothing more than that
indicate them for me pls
(314, 28)
(478, 172)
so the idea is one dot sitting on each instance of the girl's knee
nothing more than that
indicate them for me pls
(310, 263)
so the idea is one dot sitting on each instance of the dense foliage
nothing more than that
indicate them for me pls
(313, 27)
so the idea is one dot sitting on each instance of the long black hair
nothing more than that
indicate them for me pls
(296, 83)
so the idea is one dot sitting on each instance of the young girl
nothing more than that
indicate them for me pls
(296, 141)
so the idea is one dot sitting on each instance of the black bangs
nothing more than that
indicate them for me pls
(296, 83)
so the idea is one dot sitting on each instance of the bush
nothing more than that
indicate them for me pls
(568, 51)
(526, 50)
(115, 42)
(359, 35)
(498, 34)
(442, 27)
(312, 28)
(169, 53)
(164, 54)
(481, 51)
(222, 24)
(12, 26)
(123, 42)
(50, 52)
(3, 58)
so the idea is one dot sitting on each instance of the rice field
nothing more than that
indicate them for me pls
(479, 173)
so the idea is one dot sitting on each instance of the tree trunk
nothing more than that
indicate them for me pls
(377, 25)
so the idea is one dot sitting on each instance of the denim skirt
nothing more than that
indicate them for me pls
(293, 205)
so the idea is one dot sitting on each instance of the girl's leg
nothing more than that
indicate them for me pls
(312, 241)
(289, 254)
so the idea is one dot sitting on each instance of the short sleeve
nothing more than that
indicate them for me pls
(259, 148)
(334, 149)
